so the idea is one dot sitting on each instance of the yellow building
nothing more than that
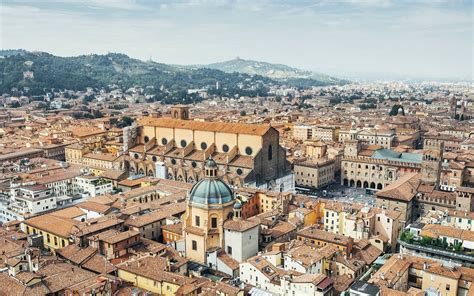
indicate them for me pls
(210, 203)
(314, 173)
(152, 274)
(56, 231)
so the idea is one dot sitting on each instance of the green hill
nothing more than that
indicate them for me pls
(278, 72)
(113, 69)
(39, 72)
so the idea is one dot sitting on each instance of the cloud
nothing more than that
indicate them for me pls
(346, 35)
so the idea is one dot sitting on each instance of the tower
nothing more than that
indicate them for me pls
(431, 165)
(210, 202)
(180, 112)
(351, 148)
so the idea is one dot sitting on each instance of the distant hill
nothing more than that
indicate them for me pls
(275, 71)
(39, 72)
(117, 70)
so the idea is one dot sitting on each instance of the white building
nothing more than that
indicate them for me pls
(304, 259)
(34, 199)
(260, 273)
(91, 186)
(241, 237)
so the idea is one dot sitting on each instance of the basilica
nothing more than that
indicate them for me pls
(176, 148)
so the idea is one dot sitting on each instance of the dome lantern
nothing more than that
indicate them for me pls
(210, 191)
(210, 168)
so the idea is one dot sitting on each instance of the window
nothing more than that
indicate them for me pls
(154, 158)
(183, 143)
(229, 250)
(146, 139)
(239, 171)
(270, 152)
(173, 161)
(448, 287)
(203, 146)
(225, 148)
(194, 245)
(214, 222)
(194, 164)
(248, 150)
(164, 141)
(136, 156)
(197, 220)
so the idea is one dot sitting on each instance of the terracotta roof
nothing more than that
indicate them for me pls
(154, 268)
(93, 226)
(436, 230)
(228, 260)
(157, 215)
(305, 254)
(56, 225)
(403, 189)
(173, 228)
(71, 212)
(240, 225)
(223, 127)
(119, 236)
(94, 207)
(312, 232)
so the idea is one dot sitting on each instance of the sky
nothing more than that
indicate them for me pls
(351, 38)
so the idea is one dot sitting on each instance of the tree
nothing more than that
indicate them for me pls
(15, 104)
(406, 236)
(127, 121)
(425, 240)
(97, 114)
(394, 110)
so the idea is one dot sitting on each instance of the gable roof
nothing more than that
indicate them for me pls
(404, 189)
(222, 127)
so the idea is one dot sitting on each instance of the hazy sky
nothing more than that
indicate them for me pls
(429, 38)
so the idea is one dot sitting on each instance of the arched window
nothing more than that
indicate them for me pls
(270, 152)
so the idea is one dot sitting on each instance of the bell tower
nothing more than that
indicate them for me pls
(180, 112)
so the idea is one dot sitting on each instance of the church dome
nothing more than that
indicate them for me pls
(211, 190)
